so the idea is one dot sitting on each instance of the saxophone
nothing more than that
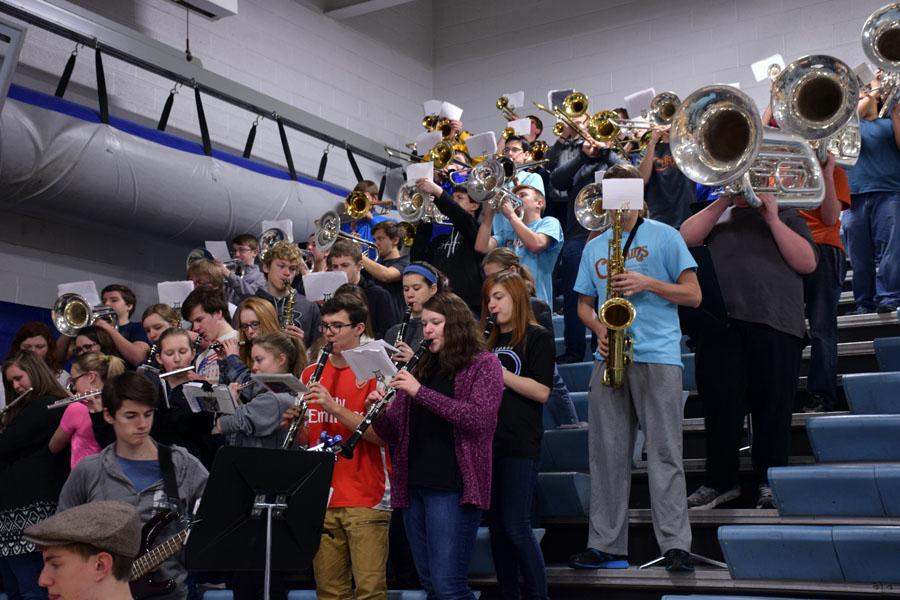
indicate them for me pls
(616, 313)
(287, 313)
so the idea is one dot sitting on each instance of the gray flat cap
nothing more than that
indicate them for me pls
(111, 526)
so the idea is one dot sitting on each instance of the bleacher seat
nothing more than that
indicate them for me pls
(689, 380)
(311, 595)
(565, 450)
(873, 393)
(482, 563)
(868, 554)
(577, 375)
(888, 479)
(580, 400)
(846, 438)
(588, 350)
(887, 352)
(563, 494)
(787, 552)
(844, 490)
(558, 325)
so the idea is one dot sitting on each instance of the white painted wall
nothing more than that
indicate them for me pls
(611, 48)
(366, 74)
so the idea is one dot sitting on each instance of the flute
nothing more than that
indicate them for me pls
(301, 401)
(176, 372)
(73, 399)
(15, 400)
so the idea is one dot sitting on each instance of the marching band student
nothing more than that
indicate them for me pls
(156, 319)
(36, 337)
(559, 405)
(668, 192)
(207, 275)
(388, 271)
(516, 149)
(244, 248)
(421, 281)
(319, 258)
(659, 274)
(281, 264)
(346, 256)
(453, 253)
(207, 311)
(30, 476)
(537, 240)
(137, 469)
(570, 177)
(129, 338)
(89, 371)
(174, 422)
(92, 339)
(526, 351)
(441, 423)
(354, 549)
(752, 360)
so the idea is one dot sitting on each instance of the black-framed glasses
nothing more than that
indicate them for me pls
(71, 383)
(79, 350)
(334, 327)
(251, 326)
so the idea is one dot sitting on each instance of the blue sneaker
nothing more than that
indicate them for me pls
(594, 559)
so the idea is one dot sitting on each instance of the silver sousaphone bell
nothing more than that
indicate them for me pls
(71, 312)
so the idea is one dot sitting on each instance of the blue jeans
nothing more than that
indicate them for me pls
(441, 536)
(513, 545)
(569, 260)
(868, 229)
(20, 576)
(559, 409)
(822, 291)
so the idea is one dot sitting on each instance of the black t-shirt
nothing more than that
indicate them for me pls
(395, 288)
(520, 423)
(134, 332)
(669, 192)
(432, 455)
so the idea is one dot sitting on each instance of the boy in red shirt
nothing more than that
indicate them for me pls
(355, 547)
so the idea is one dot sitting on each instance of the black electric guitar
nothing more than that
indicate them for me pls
(143, 584)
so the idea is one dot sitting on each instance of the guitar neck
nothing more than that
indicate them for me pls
(147, 563)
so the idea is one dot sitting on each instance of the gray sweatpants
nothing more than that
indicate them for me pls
(652, 397)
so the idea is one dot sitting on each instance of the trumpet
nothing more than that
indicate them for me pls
(73, 399)
(71, 312)
(409, 233)
(357, 204)
(502, 105)
(330, 230)
(429, 122)
(234, 265)
(538, 150)
(881, 45)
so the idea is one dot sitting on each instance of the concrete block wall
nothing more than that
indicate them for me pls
(366, 74)
(611, 48)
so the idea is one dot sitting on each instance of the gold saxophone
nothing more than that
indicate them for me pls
(287, 313)
(616, 313)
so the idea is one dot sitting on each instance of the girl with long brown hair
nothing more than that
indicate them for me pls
(527, 351)
(441, 424)
(30, 476)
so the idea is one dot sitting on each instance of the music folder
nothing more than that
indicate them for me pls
(209, 398)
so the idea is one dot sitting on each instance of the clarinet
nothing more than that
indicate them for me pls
(489, 325)
(197, 343)
(347, 449)
(154, 350)
(301, 402)
(401, 331)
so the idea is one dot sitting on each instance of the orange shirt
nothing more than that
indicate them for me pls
(829, 234)
(362, 481)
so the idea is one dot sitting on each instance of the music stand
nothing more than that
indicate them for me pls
(262, 509)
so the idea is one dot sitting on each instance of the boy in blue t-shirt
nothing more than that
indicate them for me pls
(536, 240)
(659, 275)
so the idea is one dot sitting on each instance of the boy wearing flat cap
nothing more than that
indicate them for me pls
(88, 551)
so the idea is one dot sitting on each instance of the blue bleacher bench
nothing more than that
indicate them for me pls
(576, 375)
(847, 438)
(868, 554)
(563, 494)
(887, 352)
(835, 490)
(887, 476)
(873, 393)
(776, 552)
(565, 450)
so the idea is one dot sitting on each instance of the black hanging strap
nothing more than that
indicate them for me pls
(353, 165)
(381, 186)
(167, 467)
(631, 237)
(66, 74)
(251, 137)
(287, 148)
(201, 118)
(323, 162)
(101, 87)
(167, 108)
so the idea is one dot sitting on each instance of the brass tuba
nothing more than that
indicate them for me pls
(72, 312)
(616, 313)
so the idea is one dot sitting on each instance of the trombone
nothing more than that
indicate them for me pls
(71, 312)
(330, 230)
(441, 155)
(358, 205)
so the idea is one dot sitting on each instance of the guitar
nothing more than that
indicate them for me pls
(143, 584)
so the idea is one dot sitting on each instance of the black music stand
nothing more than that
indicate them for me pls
(262, 509)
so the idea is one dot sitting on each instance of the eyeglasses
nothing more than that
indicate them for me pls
(512, 150)
(71, 384)
(84, 349)
(242, 250)
(333, 327)
(251, 326)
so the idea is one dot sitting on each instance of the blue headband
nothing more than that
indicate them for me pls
(423, 271)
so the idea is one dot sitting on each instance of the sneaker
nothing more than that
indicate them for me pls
(567, 358)
(814, 404)
(707, 497)
(861, 310)
(766, 499)
(594, 559)
(885, 308)
(678, 561)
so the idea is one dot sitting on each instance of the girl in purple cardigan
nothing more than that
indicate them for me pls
(442, 425)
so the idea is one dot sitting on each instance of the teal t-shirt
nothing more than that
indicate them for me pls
(657, 251)
(539, 264)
